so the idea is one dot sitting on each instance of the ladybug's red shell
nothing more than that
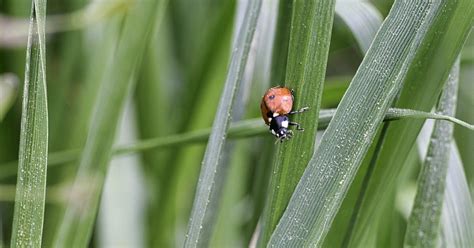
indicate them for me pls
(277, 100)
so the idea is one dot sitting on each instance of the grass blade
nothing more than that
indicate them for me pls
(458, 209)
(77, 224)
(242, 129)
(451, 24)
(308, 50)
(424, 222)
(465, 139)
(31, 184)
(333, 167)
(362, 18)
(202, 215)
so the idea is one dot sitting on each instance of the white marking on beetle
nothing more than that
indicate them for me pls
(270, 119)
(284, 124)
(275, 114)
(273, 132)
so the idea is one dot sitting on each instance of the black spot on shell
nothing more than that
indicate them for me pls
(271, 97)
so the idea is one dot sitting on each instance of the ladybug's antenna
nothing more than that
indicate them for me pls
(299, 111)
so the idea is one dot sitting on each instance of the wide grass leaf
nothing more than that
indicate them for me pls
(32, 166)
(330, 172)
(451, 22)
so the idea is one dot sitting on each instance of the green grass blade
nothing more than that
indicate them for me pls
(458, 209)
(209, 25)
(202, 215)
(464, 138)
(241, 129)
(348, 137)
(308, 50)
(32, 166)
(424, 222)
(77, 224)
(362, 18)
(451, 24)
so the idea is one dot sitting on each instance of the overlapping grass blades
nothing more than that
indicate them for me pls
(308, 49)
(424, 222)
(343, 146)
(457, 216)
(241, 129)
(446, 31)
(203, 214)
(77, 224)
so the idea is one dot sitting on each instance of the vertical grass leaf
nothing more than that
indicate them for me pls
(424, 222)
(457, 216)
(200, 223)
(77, 224)
(348, 137)
(308, 50)
(33, 156)
(458, 209)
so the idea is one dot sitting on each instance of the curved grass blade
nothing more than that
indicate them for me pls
(458, 209)
(242, 129)
(424, 222)
(451, 24)
(308, 50)
(362, 18)
(330, 172)
(202, 215)
(30, 196)
(77, 224)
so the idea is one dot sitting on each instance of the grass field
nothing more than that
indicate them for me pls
(136, 123)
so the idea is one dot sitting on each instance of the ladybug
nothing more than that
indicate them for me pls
(276, 106)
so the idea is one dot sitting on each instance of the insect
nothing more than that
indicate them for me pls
(276, 106)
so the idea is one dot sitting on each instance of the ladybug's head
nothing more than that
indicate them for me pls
(279, 127)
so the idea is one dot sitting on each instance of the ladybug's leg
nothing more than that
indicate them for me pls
(298, 111)
(298, 126)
